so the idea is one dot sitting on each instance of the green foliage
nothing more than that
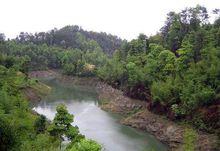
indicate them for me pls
(27, 57)
(40, 124)
(61, 122)
(194, 95)
(8, 137)
(72, 37)
(19, 127)
(61, 125)
(86, 145)
(180, 67)
(190, 137)
(113, 72)
(135, 74)
(165, 92)
(167, 61)
(42, 142)
(69, 69)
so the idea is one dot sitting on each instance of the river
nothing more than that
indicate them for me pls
(93, 122)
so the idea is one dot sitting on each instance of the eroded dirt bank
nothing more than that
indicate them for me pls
(138, 116)
(35, 92)
(136, 113)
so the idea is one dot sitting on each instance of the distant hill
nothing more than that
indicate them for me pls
(74, 37)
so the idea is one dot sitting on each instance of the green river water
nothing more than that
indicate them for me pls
(93, 122)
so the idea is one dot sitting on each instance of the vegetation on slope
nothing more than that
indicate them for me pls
(176, 71)
(73, 37)
(21, 128)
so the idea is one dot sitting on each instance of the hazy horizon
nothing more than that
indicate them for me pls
(125, 19)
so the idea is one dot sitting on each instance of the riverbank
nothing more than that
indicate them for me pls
(136, 113)
(36, 91)
(137, 116)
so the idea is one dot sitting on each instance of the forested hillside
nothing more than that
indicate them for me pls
(176, 72)
(23, 129)
(73, 37)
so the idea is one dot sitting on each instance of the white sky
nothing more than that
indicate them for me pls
(124, 18)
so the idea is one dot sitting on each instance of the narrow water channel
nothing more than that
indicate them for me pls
(93, 122)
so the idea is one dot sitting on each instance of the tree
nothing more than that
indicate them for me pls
(40, 124)
(172, 32)
(139, 45)
(8, 137)
(167, 60)
(135, 74)
(194, 17)
(61, 125)
(2, 37)
(178, 25)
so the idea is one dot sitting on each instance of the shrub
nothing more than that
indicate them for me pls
(86, 145)
(190, 137)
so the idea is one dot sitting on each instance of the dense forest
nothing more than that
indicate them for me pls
(23, 129)
(73, 37)
(176, 72)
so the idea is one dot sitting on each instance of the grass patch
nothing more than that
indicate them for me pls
(41, 88)
(190, 137)
(103, 101)
(134, 111)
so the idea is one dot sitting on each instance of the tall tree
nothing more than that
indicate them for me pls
(61, 125)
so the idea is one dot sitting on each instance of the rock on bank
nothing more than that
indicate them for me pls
(137, 115)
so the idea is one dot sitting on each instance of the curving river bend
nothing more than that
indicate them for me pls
(93, 122)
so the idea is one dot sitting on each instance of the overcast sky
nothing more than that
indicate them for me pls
(124, 18)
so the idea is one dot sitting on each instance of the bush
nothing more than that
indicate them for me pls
(190, 137)
(135, 74)
(112, 72)
(194, 95)
(40, 124)
(42, 142)
(167, 93)
(86, 145)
